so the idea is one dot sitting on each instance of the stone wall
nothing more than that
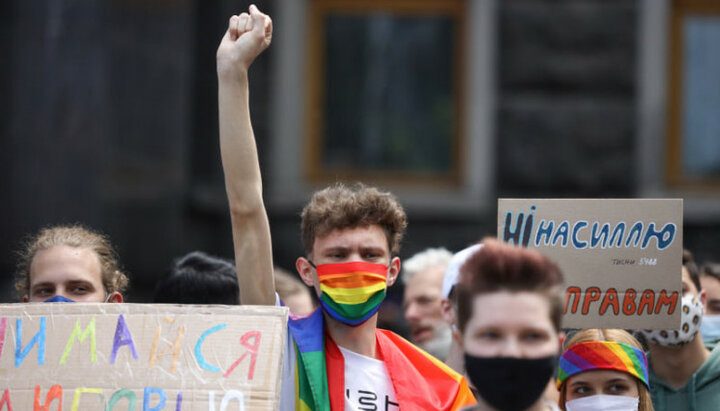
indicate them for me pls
(565, 118)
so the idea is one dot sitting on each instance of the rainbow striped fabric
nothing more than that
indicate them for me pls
(311, 382)
(421, 382)
(602, 355)
(352, 292)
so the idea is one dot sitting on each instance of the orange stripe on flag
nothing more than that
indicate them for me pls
(353, 282)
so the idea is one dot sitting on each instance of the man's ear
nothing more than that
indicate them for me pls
(703, 297)
(447, 311)
(393, 270)
(115, 297)
(305, 269)
(25, 299)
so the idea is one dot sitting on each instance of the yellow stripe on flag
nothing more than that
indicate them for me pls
(352, 295)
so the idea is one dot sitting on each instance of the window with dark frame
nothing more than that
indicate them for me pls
(384, 83)
(694, 95)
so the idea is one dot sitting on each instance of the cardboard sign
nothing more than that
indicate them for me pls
(622, 259)
(134, 357)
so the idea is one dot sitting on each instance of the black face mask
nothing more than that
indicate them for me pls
(510, 384)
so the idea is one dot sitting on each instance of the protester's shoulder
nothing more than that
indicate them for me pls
(399, 341)
(404, 345)
(706, 390)
(714, 351)
(713, 361)
(709, 373)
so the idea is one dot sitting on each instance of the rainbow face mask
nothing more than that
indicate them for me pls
(352, 292)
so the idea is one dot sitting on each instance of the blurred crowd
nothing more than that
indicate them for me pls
(491, 312)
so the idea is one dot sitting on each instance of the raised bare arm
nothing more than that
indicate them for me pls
(247, 36)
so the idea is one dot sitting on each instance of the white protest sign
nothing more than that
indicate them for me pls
(140, 357)
(621, 258)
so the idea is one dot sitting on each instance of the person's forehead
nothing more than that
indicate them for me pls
(429, 279)
(371, 236)
(708, 281)
(63, 263)
(511, 308)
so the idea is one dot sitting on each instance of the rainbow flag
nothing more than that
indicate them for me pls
(311, 387)
(421, 382)
(602, 355)
(352, 290)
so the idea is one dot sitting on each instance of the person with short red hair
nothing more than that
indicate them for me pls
(509, 311)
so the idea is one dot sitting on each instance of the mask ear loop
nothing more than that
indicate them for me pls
(108, 297)
(311, 263)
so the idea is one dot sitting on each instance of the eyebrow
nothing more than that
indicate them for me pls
(71, 282)
(344, 249)
(378, 250)
(336, 249)
(43, 284)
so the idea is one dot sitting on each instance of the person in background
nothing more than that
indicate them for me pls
(198, 278)
(684, 375)
(293, 293)
(603, 369)
(337, 358)
(710, 282)
(422, 275)
(510, 302)
(448, 305)
(69, 264)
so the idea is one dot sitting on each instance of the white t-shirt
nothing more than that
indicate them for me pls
(367, 384)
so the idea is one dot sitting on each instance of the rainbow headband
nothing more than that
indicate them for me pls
(602, 355)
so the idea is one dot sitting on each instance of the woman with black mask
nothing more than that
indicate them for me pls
(509, 309)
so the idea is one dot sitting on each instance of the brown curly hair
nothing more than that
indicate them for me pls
(113, 278)
(340, 206)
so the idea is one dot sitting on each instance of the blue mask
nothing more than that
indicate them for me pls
(58, 299)
(710, 328)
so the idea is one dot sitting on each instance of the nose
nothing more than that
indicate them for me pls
(511, 348)
(354, 256)
(412, 312)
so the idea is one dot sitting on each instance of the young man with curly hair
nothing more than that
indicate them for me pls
(337, 357)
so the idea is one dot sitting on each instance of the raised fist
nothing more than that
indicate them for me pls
(246, 37)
